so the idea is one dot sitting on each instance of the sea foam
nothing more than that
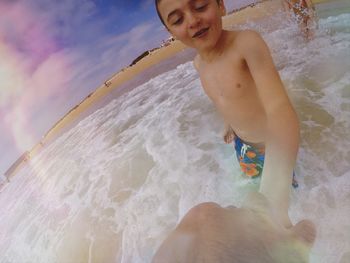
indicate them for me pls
(111, 188)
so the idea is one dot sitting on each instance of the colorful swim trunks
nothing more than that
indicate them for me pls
(251, 159)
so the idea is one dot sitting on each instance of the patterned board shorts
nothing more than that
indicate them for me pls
(251, 159)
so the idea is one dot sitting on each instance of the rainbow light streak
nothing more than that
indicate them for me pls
(33, 69)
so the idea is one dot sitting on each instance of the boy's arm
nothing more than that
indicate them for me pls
(229, 134)
(282, 137)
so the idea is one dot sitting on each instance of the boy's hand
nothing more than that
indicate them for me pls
(229, 134)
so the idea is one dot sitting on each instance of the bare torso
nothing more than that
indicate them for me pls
(229, 84)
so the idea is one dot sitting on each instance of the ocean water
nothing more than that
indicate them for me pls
(112, 187)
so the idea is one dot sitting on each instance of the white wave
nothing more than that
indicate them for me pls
(111, 188)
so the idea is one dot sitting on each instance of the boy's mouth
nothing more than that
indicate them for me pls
(201, 32)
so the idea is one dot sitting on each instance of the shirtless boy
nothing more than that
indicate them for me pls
(239, 76)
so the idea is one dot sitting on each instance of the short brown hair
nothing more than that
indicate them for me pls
(156, 2)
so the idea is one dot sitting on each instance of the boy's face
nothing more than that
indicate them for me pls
(196, 23)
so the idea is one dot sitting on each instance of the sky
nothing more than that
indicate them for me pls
(53, 53)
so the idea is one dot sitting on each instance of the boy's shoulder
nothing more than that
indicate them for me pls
(248, 33)
(246, 38)
(248, 43)
(238, 41)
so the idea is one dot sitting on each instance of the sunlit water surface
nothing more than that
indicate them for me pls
(112, 187)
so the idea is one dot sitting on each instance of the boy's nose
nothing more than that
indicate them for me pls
(193, 20)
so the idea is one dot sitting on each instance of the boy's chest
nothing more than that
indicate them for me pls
(227, 82)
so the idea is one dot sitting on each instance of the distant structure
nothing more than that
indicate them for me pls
(108, 83)
(144, 54)
(148, 52)
(167, 42)
(3, 181)
(244, 7)
(17, 164)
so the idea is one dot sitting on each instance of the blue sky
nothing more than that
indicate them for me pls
(54, 53)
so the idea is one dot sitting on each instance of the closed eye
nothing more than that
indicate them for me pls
(201, 8)
(178, 21)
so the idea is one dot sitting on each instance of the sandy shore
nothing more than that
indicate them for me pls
(249, 13)
(319, 1)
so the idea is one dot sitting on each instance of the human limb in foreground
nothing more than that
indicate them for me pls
(261, 228)
(211, 233)
(282, 129)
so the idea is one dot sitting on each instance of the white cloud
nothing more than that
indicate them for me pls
(112, 53)
(147, 3)
(21, 129)
(11, 74)
(144, 37)
(32, 99)
(64, 16)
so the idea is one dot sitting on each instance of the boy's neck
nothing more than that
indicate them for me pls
(209, 55)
